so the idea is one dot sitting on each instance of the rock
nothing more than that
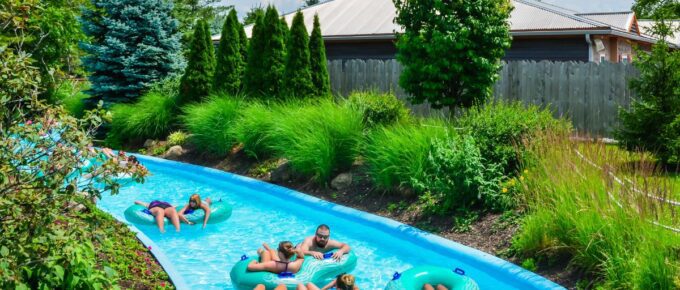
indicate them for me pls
(149, 142)
(282, 173)
(342, 181)
(74, 206)
(174, 153)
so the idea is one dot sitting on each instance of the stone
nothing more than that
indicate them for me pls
(74, 206)
(174, 153)
(149, 142)
(282, 173)
(342, 181)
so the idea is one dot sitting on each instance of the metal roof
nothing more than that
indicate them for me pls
(621, 20)
(373, 19)
(645, 25)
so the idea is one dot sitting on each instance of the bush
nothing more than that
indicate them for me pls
(210, 123)
(396, 154)
(177, 138)
(254, 127)
(456, 177)
(672, 143)
(500, 128)
(377, 108)
(71, 94)
(318, 139)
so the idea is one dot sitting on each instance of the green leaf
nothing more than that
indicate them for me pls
(4, 251)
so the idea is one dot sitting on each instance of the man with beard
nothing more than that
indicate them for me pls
(321, 243)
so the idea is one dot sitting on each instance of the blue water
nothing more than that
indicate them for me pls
(204, 257)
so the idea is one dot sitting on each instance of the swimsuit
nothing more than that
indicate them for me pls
(158, 203)
(285, 263)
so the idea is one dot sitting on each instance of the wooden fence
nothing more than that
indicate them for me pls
(589, 94)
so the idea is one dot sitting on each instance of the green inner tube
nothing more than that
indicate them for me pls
(219, 212)
(416, 277)
(316, 271)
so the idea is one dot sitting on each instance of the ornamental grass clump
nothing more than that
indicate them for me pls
(254, 126)
(619, 230)
(210, 123)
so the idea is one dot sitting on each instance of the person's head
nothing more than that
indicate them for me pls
(344, 282)
(322, 235)
(132, 160)
(287, 249)
(195, 201)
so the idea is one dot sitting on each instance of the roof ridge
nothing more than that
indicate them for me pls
(321, 2)
(541, 5)
(604, 13)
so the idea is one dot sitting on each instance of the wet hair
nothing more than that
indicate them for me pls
(132, 159)
(323, 227)
(287, 248)
(344, 282)
(195, 198)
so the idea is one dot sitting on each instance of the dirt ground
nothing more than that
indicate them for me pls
(490, 233)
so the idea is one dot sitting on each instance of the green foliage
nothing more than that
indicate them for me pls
(71, 95)
(229, 62)
(152, 117)
(189, 12)
(451, 51)
(273, 56)
(321, 82)
(177, 138)
(500, 130)
(378, 109)
(297, 77)
(210, 123)
(198, 76)
(530, 264)
(649, 9)
(456, 177)
(254, 127)
(255, 66)
(647, 125)
(396, 154)
(319, 139)
(243, 44)
(134, 43)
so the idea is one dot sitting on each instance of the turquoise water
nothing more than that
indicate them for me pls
(204, 257)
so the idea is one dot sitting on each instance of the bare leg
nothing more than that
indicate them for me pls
(144, 204)
(300, 287)
(171, 212)
(427, 287)
(208, 201)
(265, 256)
(441, 287)
(311, 286)
(260, 287)
(160, 218)
(281, 287)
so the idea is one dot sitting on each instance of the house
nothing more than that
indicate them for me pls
(361, 29)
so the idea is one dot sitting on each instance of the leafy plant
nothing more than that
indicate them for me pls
(177, 138)
(530, 265)
(210, 123)
(378, 109)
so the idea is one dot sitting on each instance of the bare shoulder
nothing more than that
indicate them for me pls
(335, 244)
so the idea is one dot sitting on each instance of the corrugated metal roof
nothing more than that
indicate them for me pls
(621, 20)
(373, 19)
(645, 25)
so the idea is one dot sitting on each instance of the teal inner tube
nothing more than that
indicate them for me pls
(313, 270)
(416, 277)
(219, 212)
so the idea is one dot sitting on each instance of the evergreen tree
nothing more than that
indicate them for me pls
(229, 62)
(189, 12)
(274, 57)
(254, 67)
(297, 77)
(134, 44)
(317, 57)
(242, 38)
(198, 76)
(286, 31)
(311, 2)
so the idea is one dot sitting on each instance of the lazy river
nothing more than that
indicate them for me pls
(268, 213)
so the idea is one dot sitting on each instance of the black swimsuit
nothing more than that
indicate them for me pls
(158, 203)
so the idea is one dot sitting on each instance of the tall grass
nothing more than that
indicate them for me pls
(211, 122)
(71, 95)
(397, 154)
(254, 127)
(319, 138)
(578, 209)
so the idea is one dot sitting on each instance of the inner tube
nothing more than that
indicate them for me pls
(313, 270)
(219, 212)
(416, 277)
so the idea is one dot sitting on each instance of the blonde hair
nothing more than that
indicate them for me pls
(344, 282)
(195, 198)
(286, 247)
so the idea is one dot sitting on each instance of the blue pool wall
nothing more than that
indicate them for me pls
(502, 269)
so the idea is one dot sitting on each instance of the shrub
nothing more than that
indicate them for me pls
(457, 178)
(297, 78)
(198, 76)
(396, 154)
(317, 57)
(119, 133)
(177, 138)
(71, 94)
(229, 59)
(210, 123)
(318, 139)
(253, 129)
(500, 128)
(377, 108)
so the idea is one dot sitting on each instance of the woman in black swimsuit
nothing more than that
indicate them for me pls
(160, 210)
(278, 261)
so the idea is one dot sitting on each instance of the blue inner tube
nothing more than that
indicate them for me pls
(416, 277)
(316, 271)
(219, 212)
